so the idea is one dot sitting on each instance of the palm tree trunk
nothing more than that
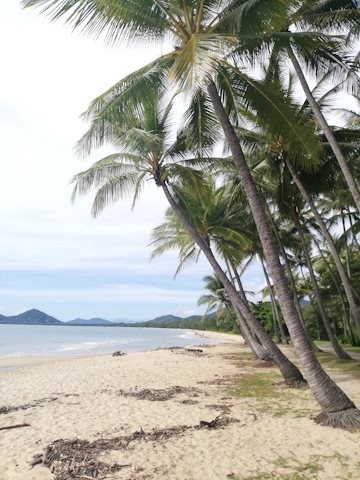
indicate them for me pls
(352, 229)
(337, 408)
(291, 279)
(276, 316)
(290, 372)
(343, 275)
(346, 320)
(335, 344)
(243, 296)
(350, 180)
(257, 349)
(347, 257)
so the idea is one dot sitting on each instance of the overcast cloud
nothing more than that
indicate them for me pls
(53, 255)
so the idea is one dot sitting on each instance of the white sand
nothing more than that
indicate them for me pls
(224, 337)
(272, 435)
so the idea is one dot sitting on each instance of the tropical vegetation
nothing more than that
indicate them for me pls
(285, 191)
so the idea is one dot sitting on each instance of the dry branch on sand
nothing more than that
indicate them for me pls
(19, 425)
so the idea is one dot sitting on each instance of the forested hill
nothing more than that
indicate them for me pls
(31, 317)
(36, 317)
(194, 322)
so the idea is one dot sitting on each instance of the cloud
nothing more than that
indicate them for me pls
(114, 293)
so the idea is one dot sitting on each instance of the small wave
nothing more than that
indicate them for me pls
(186, 335)
(84, 345)
(19, 354)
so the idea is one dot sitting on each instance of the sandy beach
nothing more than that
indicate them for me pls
(145, 415)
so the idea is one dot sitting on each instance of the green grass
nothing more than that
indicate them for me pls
(328, 360)
(257, 385)
(351, 348)
(344, 345)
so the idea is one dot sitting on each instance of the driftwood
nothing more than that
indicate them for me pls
(19, 425)
(78, 459)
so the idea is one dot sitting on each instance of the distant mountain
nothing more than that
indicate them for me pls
(36, 317)
(195, 322)
(31, 317)
(163, 319)
(90, 321)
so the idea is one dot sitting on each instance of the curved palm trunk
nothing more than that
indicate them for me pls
(350, 180)
(339, 351)
(343, 275)
(291, 280)
(256, 346)
(337, 409)
(290, 372)
(253, 344)
(276, 318)
(346, 320)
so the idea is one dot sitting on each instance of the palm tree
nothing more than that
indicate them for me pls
(264, 144)
(340, 352)
(204, 35)
(216, 300)
(146, 153)
(215, 219)
(314, 34)
(277, 325)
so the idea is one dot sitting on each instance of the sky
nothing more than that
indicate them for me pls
(53, 255)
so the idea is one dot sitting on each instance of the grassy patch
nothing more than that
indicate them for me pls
(351, 348)
(280, 408)
(345, 346)
(330, 361)
(258, 385)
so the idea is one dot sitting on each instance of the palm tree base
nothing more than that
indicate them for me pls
(296, 383)
(266, 357)
(348, 419)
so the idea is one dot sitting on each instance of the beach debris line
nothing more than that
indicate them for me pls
(26, 406)
(78, 459)
(36, 403)
(158, 395)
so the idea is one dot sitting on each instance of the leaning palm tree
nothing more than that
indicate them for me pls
(215, 221)
(315, 36)
(267, 147)
(146, 153)
(216, 300)
(204, 35)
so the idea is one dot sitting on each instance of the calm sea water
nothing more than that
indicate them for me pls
(38, 340)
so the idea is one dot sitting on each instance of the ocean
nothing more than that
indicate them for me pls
(18, 341)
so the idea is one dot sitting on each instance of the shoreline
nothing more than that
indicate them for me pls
(11, 363)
